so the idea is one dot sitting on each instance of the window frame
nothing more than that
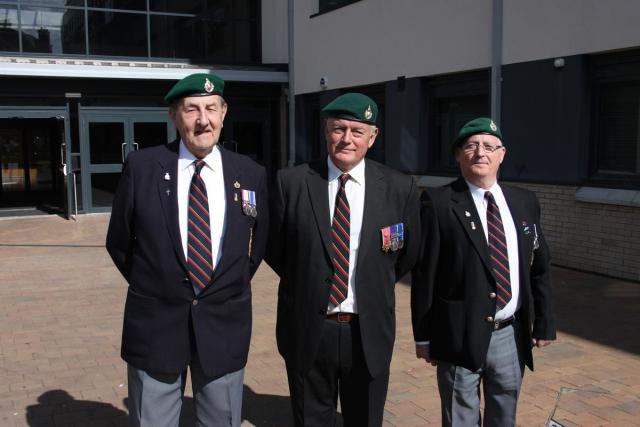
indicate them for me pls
(236, 55)
(467, 84)
(607, 69)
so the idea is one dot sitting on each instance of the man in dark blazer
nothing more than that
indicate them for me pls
(344, 231)
(481, 291)
(188, 230)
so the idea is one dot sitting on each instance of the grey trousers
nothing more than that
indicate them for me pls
(501, 378)
(155, 400)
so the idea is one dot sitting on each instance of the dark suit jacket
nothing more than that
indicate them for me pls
(144, 242)
(452, 281)
(299, 243)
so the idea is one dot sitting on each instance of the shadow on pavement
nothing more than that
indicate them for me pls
(266, 410)
(57, 408)
(593, 307)
(597, 308)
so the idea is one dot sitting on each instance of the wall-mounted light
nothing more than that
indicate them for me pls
(324, 82)
(558, 62)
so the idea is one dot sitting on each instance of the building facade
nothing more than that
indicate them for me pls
(561, 78)
(82, 84)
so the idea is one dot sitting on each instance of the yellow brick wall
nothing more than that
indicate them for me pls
(595, 237)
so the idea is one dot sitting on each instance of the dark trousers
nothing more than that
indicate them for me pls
(339, 369)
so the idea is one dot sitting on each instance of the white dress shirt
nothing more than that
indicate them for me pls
(354, 188)
(512, 242)
(213, 179)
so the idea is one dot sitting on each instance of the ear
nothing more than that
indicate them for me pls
(374, 134)
(224, 110)
(504, 153)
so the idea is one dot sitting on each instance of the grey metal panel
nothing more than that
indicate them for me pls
(33, 112)
(133, 71)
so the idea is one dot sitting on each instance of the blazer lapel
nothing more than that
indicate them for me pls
(465, 210)
(518, 215)
(318, 194)
(374, 190)
(167, 180)
(233, 211)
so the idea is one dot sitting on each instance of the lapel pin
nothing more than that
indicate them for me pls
(167, 177)
(168, 191)
(236, 184)
(473, 225)
(235, 197)
(467, 214)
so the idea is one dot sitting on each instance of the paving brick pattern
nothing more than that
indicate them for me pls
(61, 304)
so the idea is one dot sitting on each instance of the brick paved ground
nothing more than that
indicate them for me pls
(61, 306)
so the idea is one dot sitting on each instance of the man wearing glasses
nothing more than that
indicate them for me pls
(481, 291)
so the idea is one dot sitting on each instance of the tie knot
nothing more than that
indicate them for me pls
(344, 178)
(199, 165)
(488, 195)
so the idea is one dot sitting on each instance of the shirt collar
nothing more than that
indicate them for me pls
(356, 174)
(186, 158)
(478, 192)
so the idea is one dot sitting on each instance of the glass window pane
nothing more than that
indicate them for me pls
(118, 4)
(49, 3)
(172, 6)
(9, 29)
(451, 114)
(103, 188)
(53, 31)
(117, 34)
(106, 141)
(12, 160)
(40, 160)
(249, 137)
(175, 37)
(619, 143)
(149, 134)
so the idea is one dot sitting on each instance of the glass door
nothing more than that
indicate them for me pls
(32, 145)
(107, 136)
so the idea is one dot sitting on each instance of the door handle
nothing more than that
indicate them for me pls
(63, 163)
(124, 144)
(135, 144)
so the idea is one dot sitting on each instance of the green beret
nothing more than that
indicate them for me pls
(200, 84)
(353, 106)
(482, 125)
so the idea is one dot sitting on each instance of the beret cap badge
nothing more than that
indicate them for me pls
(493, 126)
(368, 113)
(208, 86)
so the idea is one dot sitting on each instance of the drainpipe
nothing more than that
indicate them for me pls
(496, 66)
(292, 95)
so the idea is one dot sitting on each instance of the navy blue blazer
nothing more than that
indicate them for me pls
(144, 242)
(452, 286)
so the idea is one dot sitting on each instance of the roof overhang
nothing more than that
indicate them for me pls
(109, 69)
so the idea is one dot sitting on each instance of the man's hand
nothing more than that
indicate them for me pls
(422, 352)
(541, 343)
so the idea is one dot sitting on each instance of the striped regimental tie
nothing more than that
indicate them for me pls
(340, 245)
(498, 255)
(199, 259)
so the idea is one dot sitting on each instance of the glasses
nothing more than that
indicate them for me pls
(472, 147)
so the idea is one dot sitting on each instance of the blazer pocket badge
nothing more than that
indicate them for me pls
(392, 237)
(249, 206)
